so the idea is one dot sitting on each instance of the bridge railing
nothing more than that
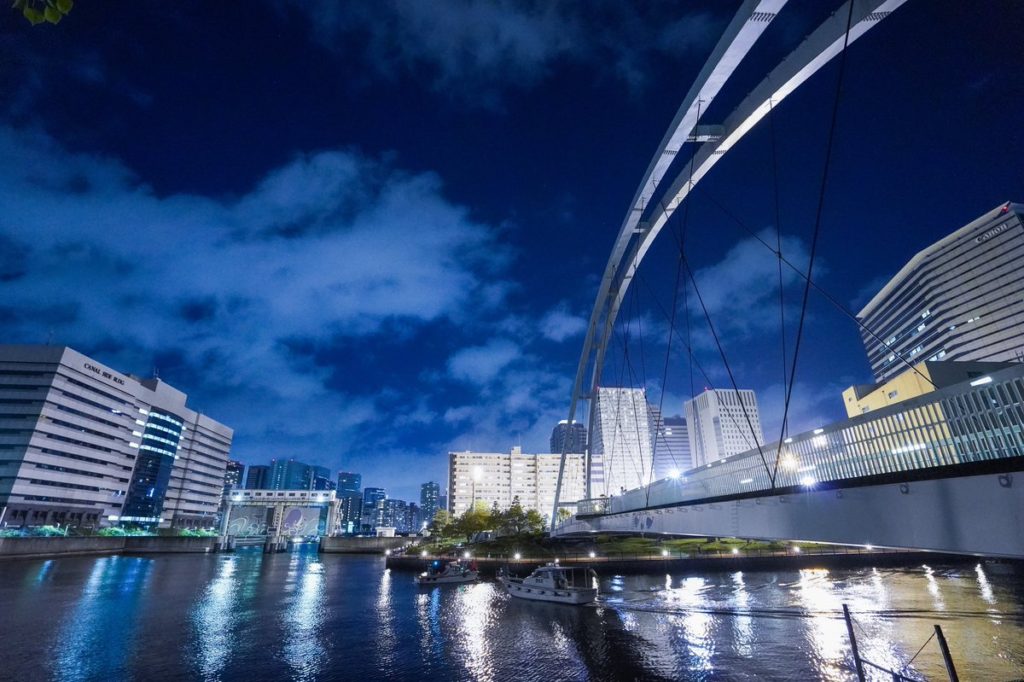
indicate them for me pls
(975, 421)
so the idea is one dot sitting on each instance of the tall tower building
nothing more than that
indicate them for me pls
(257, 477)
(569, 437)
(373, 508)
(671, 447)
(622, 450)
(962, 298)
(430, 499)
(717, 421)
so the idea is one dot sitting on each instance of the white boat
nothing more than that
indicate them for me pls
(554, 583)
(441, 572)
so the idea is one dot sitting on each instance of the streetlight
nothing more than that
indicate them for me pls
(664, 552)
(517, 556)
(593, 555)
(465, 555)
(423, 553)
(796, 549)
(674, 474)
(735, 550)
(387, 552)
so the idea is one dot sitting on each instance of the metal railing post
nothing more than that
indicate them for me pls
(853, 644)
(947, 658)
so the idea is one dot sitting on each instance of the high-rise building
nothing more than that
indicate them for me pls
(350, 513)
(622, 450)
(962, 298)
(430, 495)
(233, 475)
(671, 447)
(501, 477)
(722, 422)
(84, 445)
(442, 501)
(373, 508)
(394, 514)
(257, 477)
(349, 482)
(570, 437)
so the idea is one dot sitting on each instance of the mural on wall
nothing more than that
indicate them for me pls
(248, 521)
(301, 521)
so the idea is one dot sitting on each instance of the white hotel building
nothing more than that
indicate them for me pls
(722, 423)
(501, 477)
(84, 445)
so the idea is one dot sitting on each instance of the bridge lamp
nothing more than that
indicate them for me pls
(796, 549)
(789, 462)
(808, 482)
(735, 550)
(517, 556)
(674, 474)
(664, 552)
(869, 547)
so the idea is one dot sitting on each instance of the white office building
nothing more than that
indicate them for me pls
(722, 422)
(622, 456)
(84, 445)
(962, 298)
(501, 477)
(671, 447)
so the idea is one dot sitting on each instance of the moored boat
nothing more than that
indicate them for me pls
(554, 583)
(441, 572)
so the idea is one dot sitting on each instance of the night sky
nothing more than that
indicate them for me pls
(365, 234)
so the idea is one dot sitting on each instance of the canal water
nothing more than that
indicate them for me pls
(300, 616)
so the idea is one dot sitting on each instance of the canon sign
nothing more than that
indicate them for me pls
(992, 233)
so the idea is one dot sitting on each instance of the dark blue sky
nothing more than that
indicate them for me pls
(364, 234)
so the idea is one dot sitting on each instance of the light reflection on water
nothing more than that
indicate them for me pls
(257, 618)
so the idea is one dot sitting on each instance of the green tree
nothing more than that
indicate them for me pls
(474, 520)
(534, 522)
(563, 513)
(38, 11)
(441, 521)
(513, 521)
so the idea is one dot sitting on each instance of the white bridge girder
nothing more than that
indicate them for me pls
(978, 515)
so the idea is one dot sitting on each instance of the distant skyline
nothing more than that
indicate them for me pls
(365, 235)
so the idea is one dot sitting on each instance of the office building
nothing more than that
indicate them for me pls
(430, 500)
(569, 437)
(442, 502)
(349, 482)
(350, 513)
(394, 514)
(962, 298)
(84, 445)
(233, 475)
(923, 378)
(372, 514)
(498, 478)
(722, 422)
(671, 447)
(257, 477)
(290, 474)
(622, 450)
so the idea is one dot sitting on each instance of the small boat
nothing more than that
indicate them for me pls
(554, 583)
(441, 572)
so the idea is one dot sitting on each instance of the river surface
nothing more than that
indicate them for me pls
(300, 616)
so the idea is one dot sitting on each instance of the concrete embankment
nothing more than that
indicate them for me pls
(344, 545)
(766, 562)
(33, 548)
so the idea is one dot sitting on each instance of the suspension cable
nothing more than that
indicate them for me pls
(814, 239)
(778, 249)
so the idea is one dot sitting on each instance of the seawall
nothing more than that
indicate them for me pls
(345, 545)
(655, 565)
(34, 548)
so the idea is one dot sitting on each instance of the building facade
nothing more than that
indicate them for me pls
(372, 513)
(569, 437)
(622, 451)
(721, 423)
(291, 474)
(962, 298)
(671, 447)
(499, 478)
(430, 500)
(349, 482)
(257, 477)
(84, 445)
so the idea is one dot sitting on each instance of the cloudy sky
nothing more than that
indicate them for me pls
(365, 234)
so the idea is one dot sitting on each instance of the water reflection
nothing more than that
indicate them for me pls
(304, 649)
(96, 638)
(825, 633)
(213, 621)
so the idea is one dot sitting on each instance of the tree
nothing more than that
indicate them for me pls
(563, 514)
(534, 522)
(441, 523)
(513, 521)
(38, 11)
(474, 520)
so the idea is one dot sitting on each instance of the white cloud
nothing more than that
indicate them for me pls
(559, 324)
(481, 364)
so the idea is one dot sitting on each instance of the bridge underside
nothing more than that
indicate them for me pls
(979, 515)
